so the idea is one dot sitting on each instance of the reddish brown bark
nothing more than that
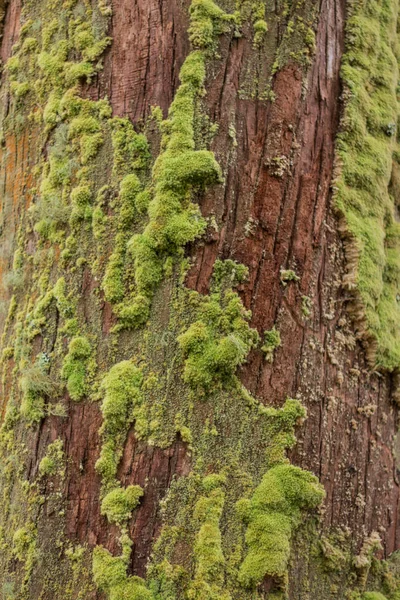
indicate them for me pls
(292, 226)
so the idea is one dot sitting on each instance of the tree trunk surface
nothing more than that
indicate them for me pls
(274, 103)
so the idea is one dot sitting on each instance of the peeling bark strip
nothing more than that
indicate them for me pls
(166, 167)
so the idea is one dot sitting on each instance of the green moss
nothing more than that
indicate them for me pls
(173, 219)
(119, 503)
(207, 21)
(131, 149)
(24, 540)
(36, 385)
(373, 596)
(272, 341)
(219, 341)
(52, 463)
(121, 401)
(273, 513)
(109, 573)
(208, 580)
(288, 275)
(75, 367)
(260, 29)
(363, 198)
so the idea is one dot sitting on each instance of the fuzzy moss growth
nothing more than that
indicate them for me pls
(273, 513)
(51, 464)
(36, 385)
(208, 580)
(109, 573)
(121, 405)
(174, 220)
(363, 199)
(288, 275)
(24, 541)
(118, 504)
(75, 367)
(373, 596)
(272, 341)
(220, 340)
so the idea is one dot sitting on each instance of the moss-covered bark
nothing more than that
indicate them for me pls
(137, 332)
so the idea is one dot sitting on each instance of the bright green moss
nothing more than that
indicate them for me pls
(109, 573)
(81, 197)
(219, 341)
(75, 367)
(207, 21)
(131, 149)
(122, 399)
(24, 540)
(118, 504)
(173, 219)
(373, 596)
(113, 280)
(260, 29)
(208, 580)
(273, 513)
(363, 198)
(272, 341)
(35, 385)
(51, 464)
(64, 302)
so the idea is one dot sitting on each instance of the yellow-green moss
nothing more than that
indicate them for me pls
(275, 510)
(52, 463)
(36, 386)
(75, 367)
(174, 220)
(208, 580)
(216, 344)
(121, 402)
(119, 503)
(272, 341)
(110, 575)
(365, 147)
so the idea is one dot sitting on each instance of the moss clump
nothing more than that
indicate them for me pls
(109, 573)
(51, 464)
(118, 504)
(207, 20)
(24, 540)
(363, 197)
(260, 29)
(219, 341)
(272, 341)
(121, 404)
(36, 385)
(273, 513)
(208, 580)
(288, 275)
(75, 367)
(174, 220)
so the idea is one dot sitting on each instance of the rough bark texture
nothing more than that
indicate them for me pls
(272, 216)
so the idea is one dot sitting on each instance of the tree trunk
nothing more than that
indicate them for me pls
(200, 260)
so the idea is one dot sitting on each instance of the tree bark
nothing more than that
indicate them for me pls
(271, 111)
